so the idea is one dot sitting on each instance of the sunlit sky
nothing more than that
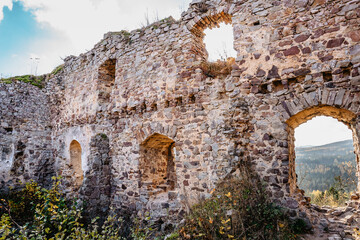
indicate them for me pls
(218, 44)
(35, 35)
(321, 130)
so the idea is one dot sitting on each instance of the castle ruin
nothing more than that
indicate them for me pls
(136, 122)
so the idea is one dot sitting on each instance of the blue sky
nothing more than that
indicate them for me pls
(18, 31)
(53, 29)
(20, 39)
(50, 30)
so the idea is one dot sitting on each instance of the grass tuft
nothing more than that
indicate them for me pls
(218, 68)
(58, 69)
(38, 81)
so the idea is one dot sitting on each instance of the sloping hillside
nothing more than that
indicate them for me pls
(316, 166)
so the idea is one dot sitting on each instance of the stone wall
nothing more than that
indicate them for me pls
(295, 60)
(96, 189)
(26, 150)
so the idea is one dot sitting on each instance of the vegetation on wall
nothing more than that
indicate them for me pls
(37, 81)
(239, 208)
(218, 68)
(58, 69)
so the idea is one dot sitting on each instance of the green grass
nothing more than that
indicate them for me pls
(37, 81)
(58, 69)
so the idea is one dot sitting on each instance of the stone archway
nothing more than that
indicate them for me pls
(75, 162)
(345, 116)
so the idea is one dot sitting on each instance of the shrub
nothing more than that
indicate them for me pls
(336, 196)
(239, 208)
(37, 213)
(356, 233)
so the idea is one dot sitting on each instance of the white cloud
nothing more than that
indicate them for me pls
(321, 130)
(84, 22)
(3, 4)
(220, 42)
(80, 24)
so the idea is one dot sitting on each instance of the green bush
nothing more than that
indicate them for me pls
(239, 208)
(37, 213)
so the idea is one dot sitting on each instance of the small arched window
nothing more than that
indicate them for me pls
(75, 162)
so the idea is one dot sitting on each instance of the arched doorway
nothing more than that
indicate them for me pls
(345, 116)
(325, 162)
(75, 162)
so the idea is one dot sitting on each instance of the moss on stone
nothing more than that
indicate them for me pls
(58, 69)
(37, 81)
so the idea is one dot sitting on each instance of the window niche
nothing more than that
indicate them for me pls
(219, 42)
(106, 80)
(157, 164)
(216, 41)
(75, 162)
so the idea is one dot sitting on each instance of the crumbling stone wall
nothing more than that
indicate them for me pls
(295, 60)
(96, 189)
(26, 150)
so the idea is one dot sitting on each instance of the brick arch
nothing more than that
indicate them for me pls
(322, 96)
(208, 20)
(147, 130)
(345, 116)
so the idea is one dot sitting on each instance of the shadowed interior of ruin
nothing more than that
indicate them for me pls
(106, 80)
(157, 164)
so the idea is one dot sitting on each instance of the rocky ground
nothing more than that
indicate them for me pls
(335, 223)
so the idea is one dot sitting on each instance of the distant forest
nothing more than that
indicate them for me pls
(318, 166)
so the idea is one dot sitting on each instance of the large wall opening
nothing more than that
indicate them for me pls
(106, 80)
(296, 177)
(215, 42)
(219, 42)
(157, 164)
(325, 162)
(75, 162)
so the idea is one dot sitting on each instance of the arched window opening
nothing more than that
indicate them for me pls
(106, 80)
(215, 42)
(219, 42)
(75, 162)
(323, 155)
(157, 164)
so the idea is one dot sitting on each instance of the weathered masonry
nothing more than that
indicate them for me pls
(135, 123)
